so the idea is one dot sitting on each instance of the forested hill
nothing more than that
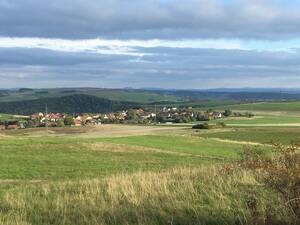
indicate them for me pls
(78, 103)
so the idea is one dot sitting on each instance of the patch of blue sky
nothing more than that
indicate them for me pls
(286, 45)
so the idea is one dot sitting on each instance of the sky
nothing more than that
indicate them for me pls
(177, 44)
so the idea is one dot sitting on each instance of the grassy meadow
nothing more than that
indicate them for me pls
(135, 175)
(262, 121)
(258, 135)
(268, 106)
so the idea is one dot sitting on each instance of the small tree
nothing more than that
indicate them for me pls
(69, 121)
(132, 115)
(227, 112)
(160, 118)
(60, 123)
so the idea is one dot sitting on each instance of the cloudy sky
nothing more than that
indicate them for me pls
(150, 43)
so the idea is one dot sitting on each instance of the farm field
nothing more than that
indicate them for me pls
(258, 135)
(118, 174)
(182, 144)
(68, 158)
(4, 117)
(73, 155)
(293, 106)
(262, 120)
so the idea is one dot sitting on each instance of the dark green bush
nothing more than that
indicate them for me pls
(201, 126)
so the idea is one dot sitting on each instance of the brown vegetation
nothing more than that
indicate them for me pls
(279, 171)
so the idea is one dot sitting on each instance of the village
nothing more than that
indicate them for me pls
(164, 115)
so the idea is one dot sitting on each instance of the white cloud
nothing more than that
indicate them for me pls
(131, 47)
(114, 47)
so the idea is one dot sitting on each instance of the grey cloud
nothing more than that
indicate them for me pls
(161, 67)
(37, 56)
(259, 19)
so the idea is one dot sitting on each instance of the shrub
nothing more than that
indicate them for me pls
(279, 170)
(60, 123)
(201, 126)
(69, 121)
(227, 112)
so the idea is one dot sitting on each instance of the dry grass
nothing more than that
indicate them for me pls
(239, 142)
(4, 136)
(178, 196)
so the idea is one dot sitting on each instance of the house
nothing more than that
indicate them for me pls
(55, 117)
(78, 118)
(152, 115)
(77, 123)
(111, 116)
(88, 120)
(140, 112)
(121, 116)
(217, 115)
(35, 117)
(96, 117)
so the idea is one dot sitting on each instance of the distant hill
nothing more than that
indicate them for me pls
(77, 103)
(26, 100)
(132, 95)
(231, 95)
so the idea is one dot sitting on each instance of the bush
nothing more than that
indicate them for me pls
(60, 123)
(69, 121)
(201, 126)
(279, 171)
(227, 112)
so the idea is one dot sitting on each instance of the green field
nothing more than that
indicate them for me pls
(69, 158)
(52, 158)
(4, 117)
(133, 175)
(258, 135)
(182, 144)
(260, 120)
(268, 106)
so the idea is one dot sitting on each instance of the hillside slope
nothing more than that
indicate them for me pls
(139, 96)
(78, 103)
